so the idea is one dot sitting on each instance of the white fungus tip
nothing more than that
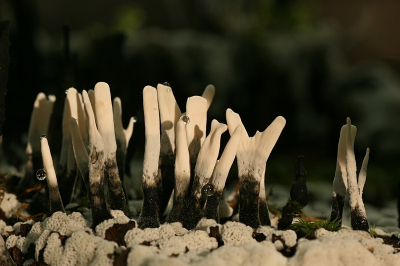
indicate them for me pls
(208, 94)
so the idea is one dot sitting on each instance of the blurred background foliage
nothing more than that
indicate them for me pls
(313, 62)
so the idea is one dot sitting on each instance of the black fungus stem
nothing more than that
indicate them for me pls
(211, 210)
(149, 214)
(166, 169)
(337, 209)
(116, 195)
(248, 201)
(264, 212)
(358, 220)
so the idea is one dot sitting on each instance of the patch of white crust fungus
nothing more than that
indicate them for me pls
(236, 234)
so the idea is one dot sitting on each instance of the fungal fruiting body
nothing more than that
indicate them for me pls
(179, 158)
(252, 155)
(346, 180)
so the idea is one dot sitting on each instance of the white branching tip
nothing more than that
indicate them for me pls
(224, 164)
(196, 111)
(75, 108)
(48, 163)
(169, 116)
(362, 176)
(208, 155)
(40, 119)
(123, 135)
(81, 155)
(253, 153)
(340, 179)
(152, 133)
(92, 101)
(208, 94)
(182, 160)
(104, 118)
(95, 139)
(355, 199)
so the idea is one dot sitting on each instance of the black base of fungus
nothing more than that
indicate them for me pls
(192, 212)
(287, 218)
(121, 169)
(56, 204)
(248, 203)
(358, 221)
(176, 213)
(167, 168)
(264, 212)
(337, 209)
(116, 196)
(149, 214)
(211, 210)
(100, 210)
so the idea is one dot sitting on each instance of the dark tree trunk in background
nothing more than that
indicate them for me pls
(4, 63)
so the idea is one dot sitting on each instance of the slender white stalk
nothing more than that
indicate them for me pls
(66, 136)
(340, 179)
(152, 133)
(224, 164)
(54, 194)
(48, 163)
(81, 155)
(362, 176)
(182, 161)
(208, 156)
(104, 119)
(92, 100)
(122, 135)
(40, 118)
(169, 116)
(355, 199)
(208, 94)
(196, 111)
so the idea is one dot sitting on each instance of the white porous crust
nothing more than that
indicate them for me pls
(17, 226)
(236, 234)
(59, 221)
(79, 249)
(143, 255)
(332, 251)
(12, 241)
(53, 250)
(192, 240)
(9, 204)
(102, 252)
(289, 236)
(178, 228)
(251, 253)
(137, 236)
(204, 224)
(102, 227)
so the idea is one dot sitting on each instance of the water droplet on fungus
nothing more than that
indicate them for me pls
(41, 174)
(43, 136)
(66, 91)
(134, 119)
(185, 119)
(166, 84)
(208, 190)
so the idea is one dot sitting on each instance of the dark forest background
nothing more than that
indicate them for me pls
(313, 62)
